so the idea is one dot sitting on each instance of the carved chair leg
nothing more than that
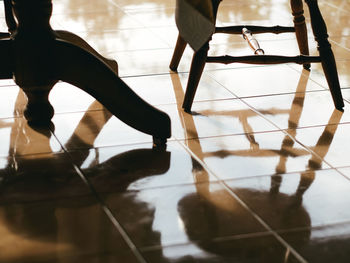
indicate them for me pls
(300, 28)
(197, 66)
(178, 52)
(324, 47)
(85, 71)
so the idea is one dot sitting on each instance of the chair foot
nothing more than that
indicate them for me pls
(198, 62)
(178, 52)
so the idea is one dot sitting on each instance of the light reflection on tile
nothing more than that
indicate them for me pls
(249, 81)
(202, 212)
(169, 200)
(299, 109)
(170, 88)
(255, 154)
(215, 118)
(322, 244)
(12, 100)
(94, 129)
(33, 178)
(297, 200)
(68, 98)
(136, 167)
(330, 142)
(18, 138)
(262, 248)
(56, 231)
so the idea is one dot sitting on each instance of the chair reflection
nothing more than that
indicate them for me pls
(206, 216)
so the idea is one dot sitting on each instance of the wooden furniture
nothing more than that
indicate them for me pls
(201, 57)
(38, 57)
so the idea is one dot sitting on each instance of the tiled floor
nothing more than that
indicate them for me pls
(260, 172)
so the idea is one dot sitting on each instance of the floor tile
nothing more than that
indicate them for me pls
(299, 110)
(12, 100)
(215, 118)
(55, 230)
(263, 248)
(170, 88)
(247, 82)
(94, 129)
(136, 167)
(323, 244)
(149, 62)
(18, 138)
(66, 98)
(291, 201)
(171, 215)
(240, 156)
(329, 142)
(38, 177)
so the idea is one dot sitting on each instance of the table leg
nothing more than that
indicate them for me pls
(85, 71)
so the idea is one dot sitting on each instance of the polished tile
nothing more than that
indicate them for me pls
(18, 138)
(291, 201)
(33, 178)
(261, 248)
(174, 215)
(107, 42)
(55, 231)
(258, 172)
(215, 118)
(170, 88)
(329, 142)
(239, 156)
(137, 167)
(94, 129)
(66, 98)
(322, 244)
(149, 62)
(289, 111)
(247, 82)
(111, 19)
(12, 100)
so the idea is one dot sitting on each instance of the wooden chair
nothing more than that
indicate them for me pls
(326, 57)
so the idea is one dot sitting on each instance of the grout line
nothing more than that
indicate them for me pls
(105, 208)
(259, 219)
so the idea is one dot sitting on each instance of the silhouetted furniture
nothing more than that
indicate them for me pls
(197, 31)
(38, 57)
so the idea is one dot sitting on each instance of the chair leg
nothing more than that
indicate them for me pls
(178, 52)
(300, 28)
(197, 66)
(324, 47)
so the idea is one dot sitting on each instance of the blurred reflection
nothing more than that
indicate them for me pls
(206, 216)
(44, 204)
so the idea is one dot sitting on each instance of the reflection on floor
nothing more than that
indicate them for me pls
(259, 172)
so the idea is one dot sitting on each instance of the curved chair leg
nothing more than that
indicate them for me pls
(324, 47)
(78, 41)
(178, 52)
(197, 66)
(84, 70)
(300, 28)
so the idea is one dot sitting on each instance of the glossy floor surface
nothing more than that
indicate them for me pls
(259, 172)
